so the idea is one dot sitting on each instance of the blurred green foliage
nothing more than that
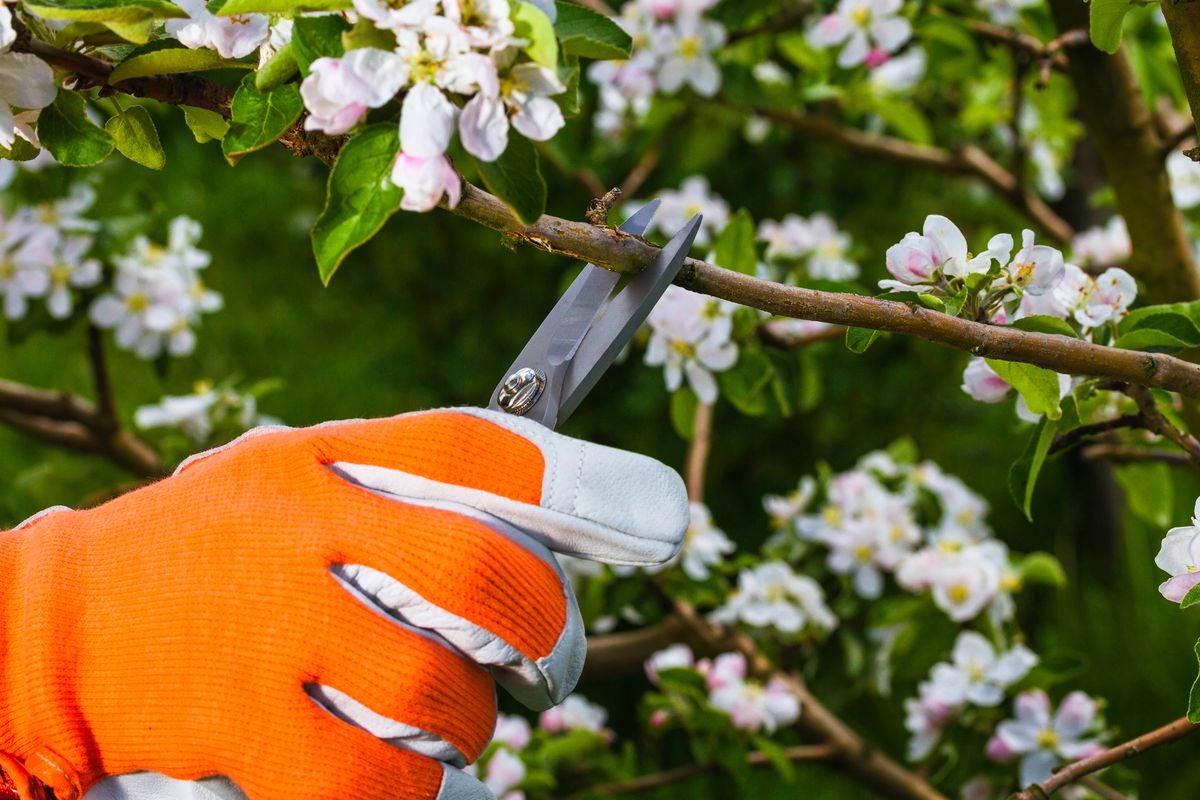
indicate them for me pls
(431, 310)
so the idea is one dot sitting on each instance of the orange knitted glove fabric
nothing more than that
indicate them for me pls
(316, 613)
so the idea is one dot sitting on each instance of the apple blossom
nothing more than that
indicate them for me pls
(525, 91)
(339, 91)
(1063, 301)
(425, 181)
(690, 336)
(71, 268)
(575, 713)
(512, 731)
(753, 707)
(1043, 740)
(234, 36)
(487, 23)
(725, 669)
(979, 674)
(1179, 557)
(1036, 268)
(789, 238)
(24, 269)
(773, 595)
(192, 414)
(827, 259)
(504, 772)
(864, 26)
(784, 509)
(1109, 299)
(704, 545)
(983, 383)
(397, 15)
(26, 82)
(900, 73)
(1103, 245)
(940, 249)
(1004, 12)
(8, 34)
(686, 51)
(679, 206)
(1184, 174)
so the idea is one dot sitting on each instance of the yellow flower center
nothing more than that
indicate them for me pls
(832, 515)
(7, 270)
(1047, 739)
(137, 302)
(60, 274)
(690, 47)
(959, 593)
(863, 552)
(861, 17)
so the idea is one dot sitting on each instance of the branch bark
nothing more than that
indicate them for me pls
(1183, 22)
(1121, 127)
(670, 776)
(624, 253)
(1073, 772)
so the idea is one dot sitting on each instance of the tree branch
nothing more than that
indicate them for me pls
(1073, 772)
(624, 253)
(697, 458)
(68, 421)
(1076, 435)
(625, 653)
(1184, 25)
(670, 776)
(1127, 454)
(1120, 125)
(967, 160)
(1154, 420)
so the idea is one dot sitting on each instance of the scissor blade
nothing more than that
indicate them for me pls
(623, 316)
(559, 336)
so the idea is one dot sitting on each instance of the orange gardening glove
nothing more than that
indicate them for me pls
(315, 613)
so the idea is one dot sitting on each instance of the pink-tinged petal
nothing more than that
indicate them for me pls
(27, 81)
(538, 118)
(1033, 708)
(1037, 767)
(998, 750)
(702, 382)
(982, 382)
(948, 239)
(855, 51)
(1080, 750)
(891, 33)
(1075, 715)
(832, 29)
(1175, 589)
(1177, 553)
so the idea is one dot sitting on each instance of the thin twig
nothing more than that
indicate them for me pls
(670, 776)
(106, 404)
(697, 458)
(646, 164)
(784, 21)
(1154, 420)
(1101, 789)
(1073, 772)
(1076, 435)
(600, 206)
(1127, 454)
(586, 178)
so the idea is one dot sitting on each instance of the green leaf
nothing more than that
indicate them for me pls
(157, 59)
(317, 37)
(1105, 20)
(1045, 324)
(1042, 568)
(683, 412)
(259, 118)
(135, 137)
(1023, 475)
(1163, 327)
(589, 34)
(533, 25)
(1191, 598)
(516, 178)
(1149, 491)
(137, 32)
(746, 382)
(859, 339)
(568, 73)
(1193, 713)
(905, 118)
(278, 70)
(72, 138)
(1039, 386)
(226, 8)
(735, 247)
(121, 11)
(777, 755)
(360, 197)
(205, 125)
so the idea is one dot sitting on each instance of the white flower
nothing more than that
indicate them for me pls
(977, 674)
(853, 551)
(486, 22)
(338, 91)
(686, 50)
(754, 707)
(24, 268)
(982, 383)
(784, 509)
(1043, 740)
(505, 771)
(573, 714)
(1066, 298)
(512, 731)
(1004, 12)
(866, 26)
(1109, 298)
(8, 34)
(828, 259)
(691, 336)
(190, 413)
(1036, 269)
(772, 595)
(963, 586)
(789, 238)
(70, 269)
(1185, 179)
(524, 91)
(233, 36)
(693, 197)
(918, 258)
(704, 545)
(157, 295)
(1179, 557)
(26, 82)
(924, 717)
(677, 656)
(1103, 245)
(425, 181)
(397, 14)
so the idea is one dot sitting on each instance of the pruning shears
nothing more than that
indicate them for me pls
(587, 329)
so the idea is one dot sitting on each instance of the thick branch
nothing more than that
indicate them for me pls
(1120, 126)
(625, 253)
(1183, 21)
(617, 654)
(968, 161)
(68, 421)
(1154, 420)
(1076, 435)
(697, 460)
(1073, 772)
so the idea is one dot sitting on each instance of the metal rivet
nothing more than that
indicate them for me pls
(521, 391)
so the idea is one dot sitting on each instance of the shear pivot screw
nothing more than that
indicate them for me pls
(521, 391)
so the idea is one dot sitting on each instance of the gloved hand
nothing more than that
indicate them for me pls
(315, 613)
